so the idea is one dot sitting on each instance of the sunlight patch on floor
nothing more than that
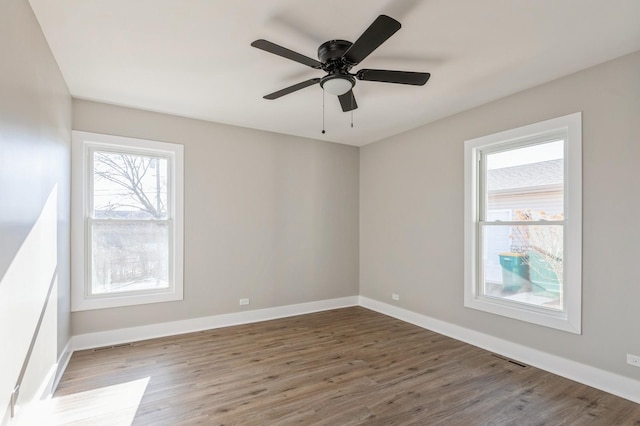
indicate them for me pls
(112, 405)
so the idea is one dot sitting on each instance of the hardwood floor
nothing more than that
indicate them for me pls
(343, 367)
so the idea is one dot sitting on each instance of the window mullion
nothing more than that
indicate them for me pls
(523, 222)
(123, 221)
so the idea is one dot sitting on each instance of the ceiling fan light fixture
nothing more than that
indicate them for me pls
(337, 84)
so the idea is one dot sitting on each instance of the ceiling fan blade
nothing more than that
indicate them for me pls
(348, 101)
(291, 89)
(267, 46)
(377, 33)
(400, 77)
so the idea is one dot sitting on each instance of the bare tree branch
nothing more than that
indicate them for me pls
(128, 171)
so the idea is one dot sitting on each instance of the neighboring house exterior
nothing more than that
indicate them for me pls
(537, 187)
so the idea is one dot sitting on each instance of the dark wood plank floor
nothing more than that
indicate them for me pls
(343, 367)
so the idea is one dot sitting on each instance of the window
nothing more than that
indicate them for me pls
(126, 221)
(523, 224)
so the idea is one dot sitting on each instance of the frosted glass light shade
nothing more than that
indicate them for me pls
(337, 86)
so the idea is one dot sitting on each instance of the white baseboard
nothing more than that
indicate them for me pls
(61, 366)
(615, 384)
(600, 379)
(152, 331)
(47, 387)
(52, 378)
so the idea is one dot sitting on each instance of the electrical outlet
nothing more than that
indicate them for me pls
(395, 296)
(633, 360)
(244, 301)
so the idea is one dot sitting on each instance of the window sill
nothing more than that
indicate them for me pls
(116, 301)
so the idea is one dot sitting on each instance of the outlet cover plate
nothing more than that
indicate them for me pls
(633, 360)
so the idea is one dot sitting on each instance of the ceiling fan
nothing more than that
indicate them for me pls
(337, 57)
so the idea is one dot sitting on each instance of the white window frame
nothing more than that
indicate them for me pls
(83, 145)
(570, 318)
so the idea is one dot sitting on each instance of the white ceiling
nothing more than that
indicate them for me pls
(193, 57)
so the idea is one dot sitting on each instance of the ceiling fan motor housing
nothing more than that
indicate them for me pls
(331, 54)
(333, 49)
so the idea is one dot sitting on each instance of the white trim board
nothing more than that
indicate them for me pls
(615, 384)
(51, 380)
(152, 331)
(61, 366)
(46, 389)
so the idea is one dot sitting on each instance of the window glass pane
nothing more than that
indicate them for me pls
(129, 186)
(129, 256)
(527, 181)
(523, 264)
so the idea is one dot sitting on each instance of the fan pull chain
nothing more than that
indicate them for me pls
(352, 97)
(323, 132)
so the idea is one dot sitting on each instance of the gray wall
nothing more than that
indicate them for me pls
(275, 218)
(35, 125)
(268, 217)
(411, 214)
